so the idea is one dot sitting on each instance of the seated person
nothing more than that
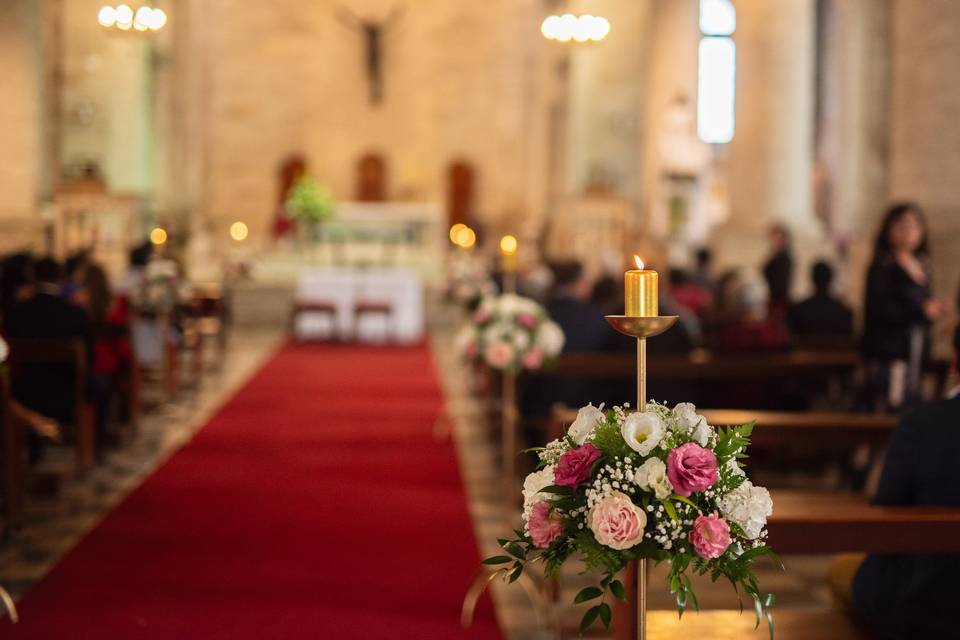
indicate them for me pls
(689, 294)
(913, 595)
(48, 389)
(752, 328)
(821, 316)
(585, 330)
(570, 307)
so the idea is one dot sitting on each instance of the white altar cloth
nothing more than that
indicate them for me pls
(400, 289)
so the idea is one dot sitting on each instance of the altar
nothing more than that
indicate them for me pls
(347, 259)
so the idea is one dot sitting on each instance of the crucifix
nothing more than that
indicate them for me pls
(373, 33)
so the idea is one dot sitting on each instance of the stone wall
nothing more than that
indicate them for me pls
(460, 81)
(19, 112)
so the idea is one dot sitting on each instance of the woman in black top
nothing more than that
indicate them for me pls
(899, 308)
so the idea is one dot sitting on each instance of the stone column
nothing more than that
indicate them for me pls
(20, 111)
(771, 153)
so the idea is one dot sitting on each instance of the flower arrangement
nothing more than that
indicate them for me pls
(661, 485)
(310, 201)
(510, 333)
(468, 282)
(157, 293)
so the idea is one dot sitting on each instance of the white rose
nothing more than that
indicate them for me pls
(702, 433)
(533, 484)
(510, 304)
(520, 338)
(687, 417)
(4, 350)
(652, 476)
(588, 418)
(550, 338)
(642, 431)
(749, 507)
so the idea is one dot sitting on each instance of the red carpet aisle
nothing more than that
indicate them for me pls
(314, 505)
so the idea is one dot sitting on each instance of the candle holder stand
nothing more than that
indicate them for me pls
(631, 621)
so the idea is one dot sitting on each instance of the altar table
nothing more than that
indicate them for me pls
(397, 293)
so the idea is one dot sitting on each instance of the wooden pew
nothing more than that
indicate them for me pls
(825, 523)
(73, 353)
(777, 426)
(701, 364)
(13, 450)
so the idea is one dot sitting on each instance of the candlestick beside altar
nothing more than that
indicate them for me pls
(641, 321)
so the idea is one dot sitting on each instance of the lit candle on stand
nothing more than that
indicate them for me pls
(640, 291)
(508, 263)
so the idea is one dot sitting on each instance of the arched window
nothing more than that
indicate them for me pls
(716, 74)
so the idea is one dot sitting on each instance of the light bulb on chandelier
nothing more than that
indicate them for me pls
(124, 18)
(583, 28)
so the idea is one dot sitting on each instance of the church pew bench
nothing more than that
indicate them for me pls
(773, 427)
(71, 352)
(13, 450)
(820, 523)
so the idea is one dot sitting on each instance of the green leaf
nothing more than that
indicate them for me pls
(588, 593)
(498, 560)
(758, 610)
(685, 501)
(616, 587)
(606, 614)
(588, 618)
(515, 550)
(670, 509)
(515, 574)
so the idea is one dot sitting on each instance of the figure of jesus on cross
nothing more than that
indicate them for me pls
(373, 34)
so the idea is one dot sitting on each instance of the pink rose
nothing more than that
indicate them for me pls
(481, 316)
(471, 349)
(616, 522)
(533, 358)
(499, 354)
(543, 526)
(691, 468)
(527, 320)
(710, 536)
(575, 465)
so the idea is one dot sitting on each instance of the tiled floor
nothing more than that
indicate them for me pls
(54, 525)
(802, 585)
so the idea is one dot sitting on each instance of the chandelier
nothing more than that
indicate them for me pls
(124, 18)
(583, 28)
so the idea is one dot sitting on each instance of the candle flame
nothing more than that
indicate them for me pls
(638, 261)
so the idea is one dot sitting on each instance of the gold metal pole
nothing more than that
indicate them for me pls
(640, 327)
(508, 437)
(642, 563)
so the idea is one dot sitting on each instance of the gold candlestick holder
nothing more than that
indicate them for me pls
(641, 328)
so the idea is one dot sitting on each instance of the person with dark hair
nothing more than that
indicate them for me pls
(74, 270)
(16, 282)
(607, 295)
(688, 293)
(912, 595)
(109, 315)
(778, 270)
(585, 330)
(582, 322)
(704, 268)
(821, 316)
(899, 308)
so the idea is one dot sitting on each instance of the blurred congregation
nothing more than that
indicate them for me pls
(290, 291)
